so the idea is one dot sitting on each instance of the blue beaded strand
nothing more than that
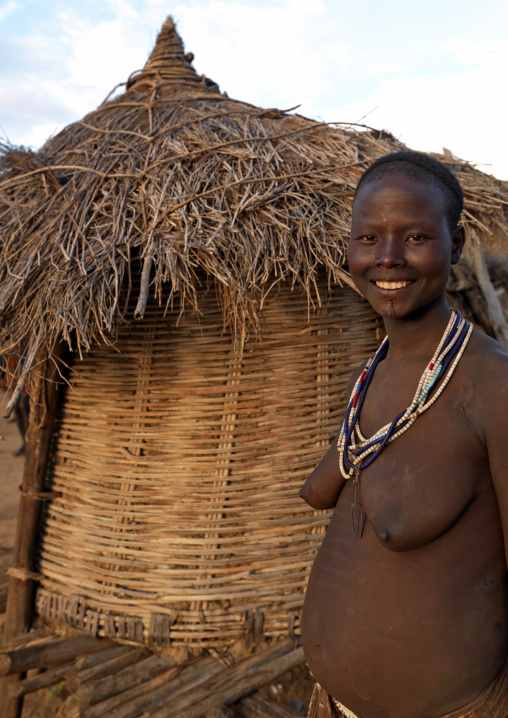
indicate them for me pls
(456, 336)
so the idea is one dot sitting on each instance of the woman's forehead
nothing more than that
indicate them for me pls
(399, 190)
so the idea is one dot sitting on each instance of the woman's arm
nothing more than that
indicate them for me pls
(493, 395)
(322, 488)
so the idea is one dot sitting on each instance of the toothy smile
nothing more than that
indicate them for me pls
(392, 285)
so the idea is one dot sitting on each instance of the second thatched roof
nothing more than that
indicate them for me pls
(198, 187)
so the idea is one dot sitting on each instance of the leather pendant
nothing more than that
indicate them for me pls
(357, 510)
(358, 514)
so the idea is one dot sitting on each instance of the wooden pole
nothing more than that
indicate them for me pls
(220, 713)
(123, 679)
(258, 705)
(44, 393)
(473, 295)
(48, 654)
(476, 258)
(106, 663)
(45, 679)
(139, 312)
(234, 683)
(100, 662)
(85, 700)
(138, 700)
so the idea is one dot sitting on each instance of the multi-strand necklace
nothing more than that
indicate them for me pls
(357, 452)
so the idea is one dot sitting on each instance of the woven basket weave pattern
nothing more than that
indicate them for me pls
(178, 466)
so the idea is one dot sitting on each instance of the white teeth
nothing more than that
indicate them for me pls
(391, 285)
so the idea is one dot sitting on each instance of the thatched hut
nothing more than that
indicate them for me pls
(173, 269)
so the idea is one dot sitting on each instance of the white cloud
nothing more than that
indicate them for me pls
(260, 53)
(59, 76)
(96, 55)
(8, 9)
(37, 135)
(448, 111)
(381, 68)
(467, 51)
(122, 9)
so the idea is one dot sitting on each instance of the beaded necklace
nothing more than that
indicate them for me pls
(357, 452)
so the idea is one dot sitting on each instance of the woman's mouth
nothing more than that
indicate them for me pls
(391, 285)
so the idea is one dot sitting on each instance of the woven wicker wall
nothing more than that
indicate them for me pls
(178, 467)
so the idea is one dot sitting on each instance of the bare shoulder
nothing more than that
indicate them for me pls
(486, 360)
(487, 365)
(486, 368)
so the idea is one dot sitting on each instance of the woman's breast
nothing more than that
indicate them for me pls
(423, 482)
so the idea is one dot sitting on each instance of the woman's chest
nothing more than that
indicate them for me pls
(426, 478)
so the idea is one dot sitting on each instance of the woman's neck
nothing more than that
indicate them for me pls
(417, 334)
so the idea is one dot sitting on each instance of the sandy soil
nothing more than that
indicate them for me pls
(11, 471)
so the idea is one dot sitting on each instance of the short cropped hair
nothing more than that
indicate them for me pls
(422, 168)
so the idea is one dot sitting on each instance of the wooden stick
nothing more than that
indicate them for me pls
(473, 295)
(139, 312)
(259, 706)
(495, 312)
(97, 691)
(89, 664)
(36, 635)
(41, 680)
(200, 686)
(79, 703)
(103, 664)
(106, 709)
(222, 712)
(153, 693)
(49, 653)
(236, 682)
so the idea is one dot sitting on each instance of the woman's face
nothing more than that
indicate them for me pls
(401, 247)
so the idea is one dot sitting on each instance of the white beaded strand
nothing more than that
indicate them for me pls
(419, 404)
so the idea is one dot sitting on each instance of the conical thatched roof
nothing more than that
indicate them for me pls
(194, 184)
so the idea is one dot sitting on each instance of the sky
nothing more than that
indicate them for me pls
(432, 73)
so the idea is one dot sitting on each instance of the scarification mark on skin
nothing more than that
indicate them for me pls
(408, 476)
(351, 574)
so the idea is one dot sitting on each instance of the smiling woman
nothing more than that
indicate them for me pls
(429, 496)
(401, 246)
(171, 509)
(405, 229)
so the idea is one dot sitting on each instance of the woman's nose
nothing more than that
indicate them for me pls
(390, 254)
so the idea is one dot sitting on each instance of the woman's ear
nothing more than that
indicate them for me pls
(458, 238)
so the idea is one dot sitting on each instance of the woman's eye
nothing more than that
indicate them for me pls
(368, 238)
(415, 238)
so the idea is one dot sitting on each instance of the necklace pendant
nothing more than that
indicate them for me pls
(357, 510)
(358, 514)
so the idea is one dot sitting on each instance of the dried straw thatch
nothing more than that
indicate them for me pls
(197, 185)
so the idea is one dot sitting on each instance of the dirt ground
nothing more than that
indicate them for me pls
(11, 471)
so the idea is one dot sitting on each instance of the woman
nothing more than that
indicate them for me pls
(406, 608)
